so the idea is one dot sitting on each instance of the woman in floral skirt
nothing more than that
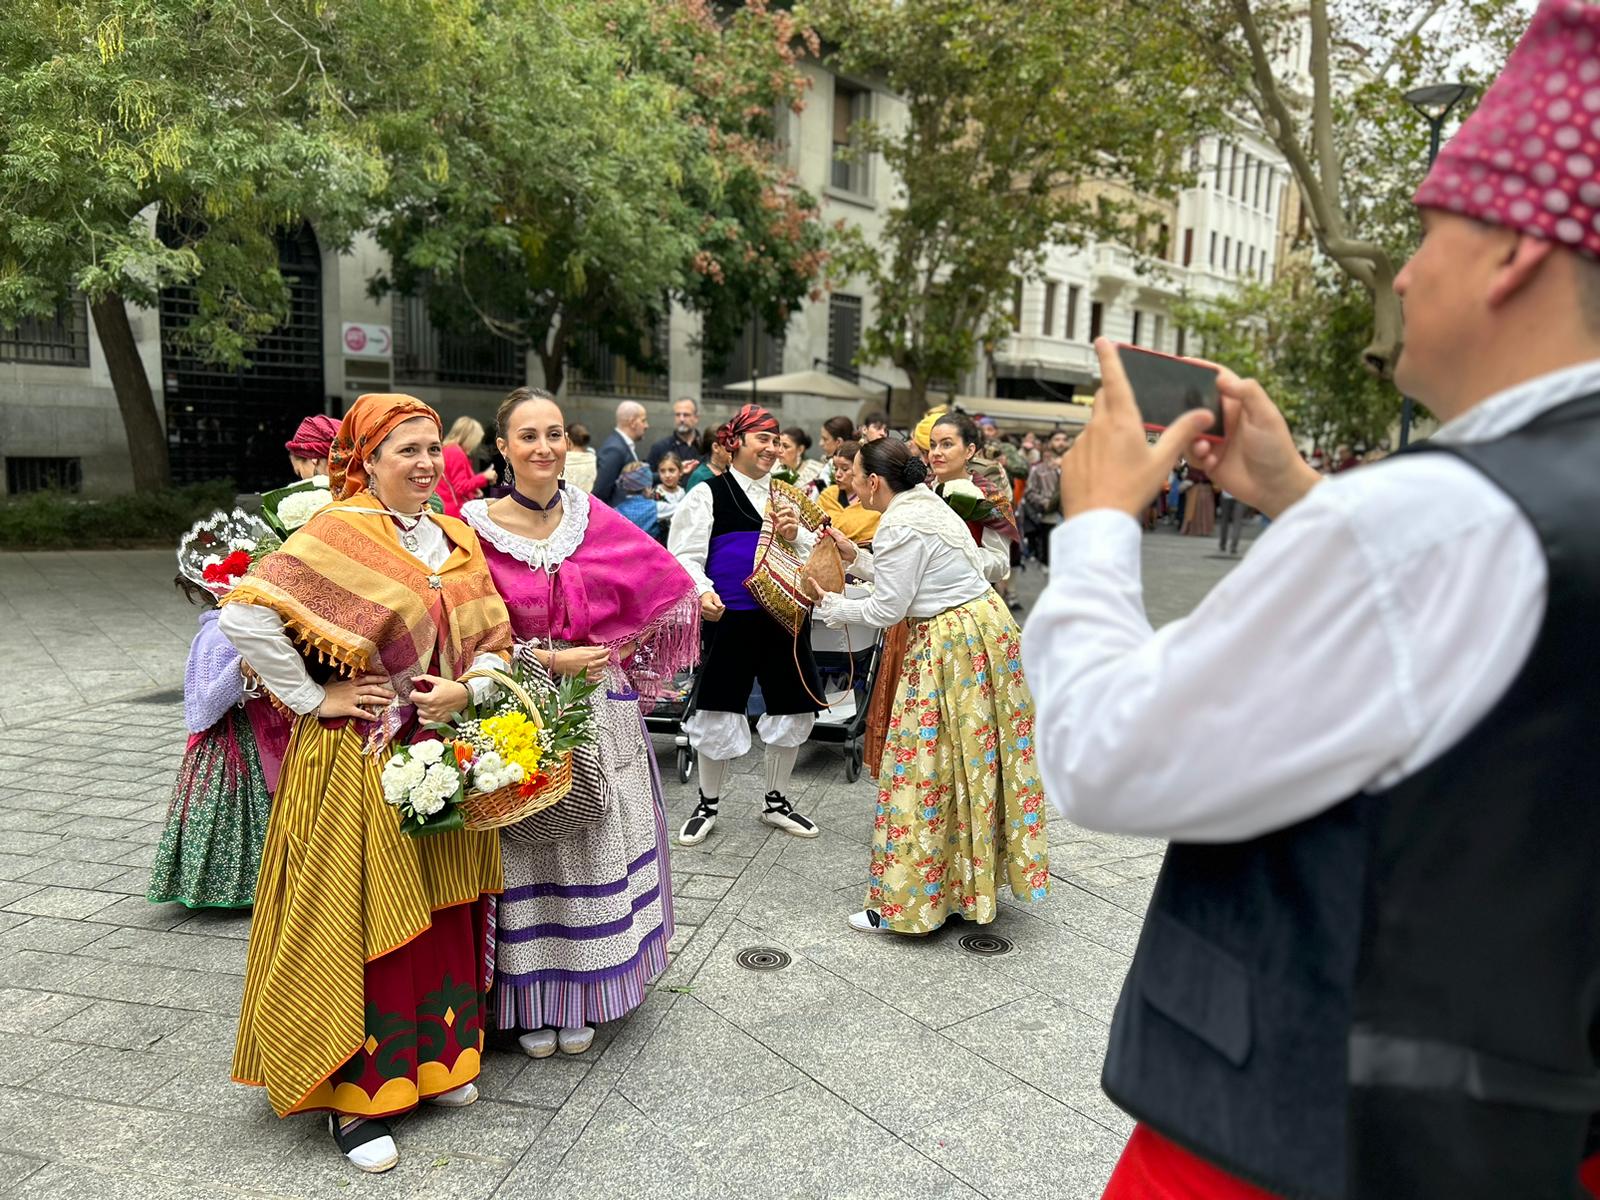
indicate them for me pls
(210, 850)
(961, 808)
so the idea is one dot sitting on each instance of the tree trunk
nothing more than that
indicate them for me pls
(908, 405)
(147, 441)
(553, 356)
(1388, 328)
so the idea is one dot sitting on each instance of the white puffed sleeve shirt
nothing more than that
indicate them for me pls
(913, 574)
(1369, 630)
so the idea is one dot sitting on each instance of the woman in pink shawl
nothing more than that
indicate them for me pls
(583, 926)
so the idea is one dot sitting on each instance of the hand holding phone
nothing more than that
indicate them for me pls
(1165, 387)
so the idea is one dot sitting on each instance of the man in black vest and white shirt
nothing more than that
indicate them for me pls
(1371, 966)
(715, 535)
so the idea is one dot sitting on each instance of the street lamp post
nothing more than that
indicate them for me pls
(1435, 103)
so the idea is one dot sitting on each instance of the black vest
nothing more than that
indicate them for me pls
(1400, 997)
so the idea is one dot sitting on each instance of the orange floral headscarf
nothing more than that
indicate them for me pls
(371, 418)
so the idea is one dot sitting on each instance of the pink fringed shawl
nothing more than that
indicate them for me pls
(597, 581)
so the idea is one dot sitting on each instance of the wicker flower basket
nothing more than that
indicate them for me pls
(508, 805)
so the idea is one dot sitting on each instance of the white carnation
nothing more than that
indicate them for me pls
(428, 805)
(428, 752)
(963, 487)
(295, 509)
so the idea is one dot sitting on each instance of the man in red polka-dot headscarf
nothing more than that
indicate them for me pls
(1370, 966)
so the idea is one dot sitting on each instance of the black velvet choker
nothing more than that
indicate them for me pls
(534, 504)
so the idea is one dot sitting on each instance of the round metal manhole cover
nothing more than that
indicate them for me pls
(762, 958)
(989, 945)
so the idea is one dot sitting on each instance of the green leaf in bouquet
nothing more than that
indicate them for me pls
(450, 818)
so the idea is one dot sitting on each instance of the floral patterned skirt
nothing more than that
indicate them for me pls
(210, 850)
(961, 808)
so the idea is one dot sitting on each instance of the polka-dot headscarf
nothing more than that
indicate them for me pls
(1527, 158)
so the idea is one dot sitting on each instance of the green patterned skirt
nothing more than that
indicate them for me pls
(210, 852)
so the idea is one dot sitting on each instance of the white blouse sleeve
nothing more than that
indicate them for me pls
(258, 634)
(863, 567)
(996, 552)
(896, 569)
(689, 540)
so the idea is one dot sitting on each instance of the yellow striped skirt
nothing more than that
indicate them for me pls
(340, 886)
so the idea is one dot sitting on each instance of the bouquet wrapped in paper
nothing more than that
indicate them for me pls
(288, 508)
(968, 500)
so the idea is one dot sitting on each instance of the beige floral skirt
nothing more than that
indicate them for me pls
(961, 808)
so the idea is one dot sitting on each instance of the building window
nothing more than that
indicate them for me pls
(1157, 342)
(844, 335)
(850, 105)
(1188, 247)
(1097, 316)
(1138, 326)
(1261, 171)
(1073, 294)
(1016, 306)
(598, 370)
(1047, 326)
(1252, 260)
(1238, 257)
(469, 356)
(1213, 247)
(24, 475)
(59, 341)
(1182, 343)
(757, 354)
(1220, 149)
(1227, 250)
(1233, 170)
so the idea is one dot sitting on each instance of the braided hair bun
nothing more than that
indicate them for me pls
(914, 472)
(891, 460)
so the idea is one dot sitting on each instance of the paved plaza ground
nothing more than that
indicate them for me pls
(869, 1067)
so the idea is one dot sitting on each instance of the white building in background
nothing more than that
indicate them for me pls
(1220, 234)
(60, 426)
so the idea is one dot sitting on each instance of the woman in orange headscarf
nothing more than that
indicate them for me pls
(365, 980)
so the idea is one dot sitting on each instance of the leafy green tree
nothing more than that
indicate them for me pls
(1301, 336)
(1016, 110)
(588, 163)
(216, 122)
(1355, 149)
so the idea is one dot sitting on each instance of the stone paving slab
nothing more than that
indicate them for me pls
(873, 1068)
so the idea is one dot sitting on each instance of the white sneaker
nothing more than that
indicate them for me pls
(459, 1097)
(576, 1041)
(366, 1144)
(780, 814)
(541, 1043)
(701, 822)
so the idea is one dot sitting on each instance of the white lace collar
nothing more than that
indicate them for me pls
(545, 554)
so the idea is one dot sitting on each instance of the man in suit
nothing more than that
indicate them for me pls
(620, 449)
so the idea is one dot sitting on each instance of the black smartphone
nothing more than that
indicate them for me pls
(1166, 387)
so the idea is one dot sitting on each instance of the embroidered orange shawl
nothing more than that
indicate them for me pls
(350, 594)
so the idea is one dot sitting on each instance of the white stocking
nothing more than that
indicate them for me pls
(780, 766)
(712, 772)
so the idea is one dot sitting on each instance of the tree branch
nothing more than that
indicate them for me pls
(1428, 11)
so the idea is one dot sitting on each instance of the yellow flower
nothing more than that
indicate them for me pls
(516, 739)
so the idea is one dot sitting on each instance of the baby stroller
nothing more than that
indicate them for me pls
(667, 718)
(848, 661)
